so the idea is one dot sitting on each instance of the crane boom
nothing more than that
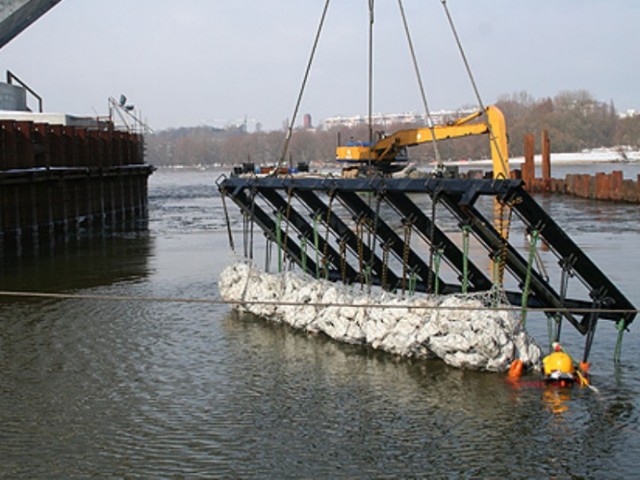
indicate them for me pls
(388, 148)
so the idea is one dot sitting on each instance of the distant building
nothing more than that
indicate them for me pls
(307, 122)
(388, 119)
(629, 113)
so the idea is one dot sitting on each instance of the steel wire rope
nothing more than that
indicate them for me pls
(253, 216)
(325, 249)
(374, 235)
(492, 136)
(533, 241)
(466, 230)
(217, 301)
(385, 264)
(408, 225)
(316, 241)
(564, 285)
(360, 236)
(227, 221)
(618, 348)
(287, 140)
(303, 253)
(343, 260)
(591, 329)
(370, 80)
(279, 239)
(286, 231)
(432, 234)
(425, 104)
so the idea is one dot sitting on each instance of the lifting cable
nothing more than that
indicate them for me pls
(436, 269)
(245, 234)
(285, 243)
(218, 301)
(618, 350)
(591, 329)
(279, 239)
(227, 221)
(413, 282)
(533, 240)
(466, 230)
(408, 227)
(504, 226)
(567, 265)
(325, 251)
(343, 260)
(385, 264)
(285, 149)
(360, 235)
(492, 136)
(303, 253)
(425, 104)
(550, 329)
(374, 235)
(434, 203)
(316, 241)
(267, 255)
(370, 79)
(252, 220)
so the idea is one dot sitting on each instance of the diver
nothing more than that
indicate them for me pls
(559, 369)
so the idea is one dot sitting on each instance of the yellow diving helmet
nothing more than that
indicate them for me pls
(558, 366)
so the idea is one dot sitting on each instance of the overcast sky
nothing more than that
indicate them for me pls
(195, 62)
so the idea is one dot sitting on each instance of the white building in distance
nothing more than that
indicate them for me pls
(387, 119)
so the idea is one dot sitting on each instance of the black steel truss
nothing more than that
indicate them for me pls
(459, 196)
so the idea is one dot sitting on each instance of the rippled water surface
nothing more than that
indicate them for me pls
(115, 388)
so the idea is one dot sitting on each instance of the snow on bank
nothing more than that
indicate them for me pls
(471, 337)
(586, 157)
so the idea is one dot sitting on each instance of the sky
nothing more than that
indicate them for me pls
(218, 62)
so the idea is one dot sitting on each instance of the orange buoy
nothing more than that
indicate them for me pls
(515, 370)
(584, 366)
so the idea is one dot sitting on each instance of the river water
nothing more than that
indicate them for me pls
(115, 388)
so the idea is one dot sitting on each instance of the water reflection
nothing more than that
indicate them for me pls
(87, 264)
(556, 399)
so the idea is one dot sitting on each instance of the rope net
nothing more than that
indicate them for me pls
(476, 337)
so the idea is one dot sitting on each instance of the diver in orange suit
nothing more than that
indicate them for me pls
(559, 369)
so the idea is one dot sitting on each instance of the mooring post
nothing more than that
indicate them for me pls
(528, 167)
(546, 161)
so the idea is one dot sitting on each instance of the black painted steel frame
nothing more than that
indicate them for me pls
(459, 197)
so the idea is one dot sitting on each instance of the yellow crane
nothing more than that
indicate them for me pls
(392, 148)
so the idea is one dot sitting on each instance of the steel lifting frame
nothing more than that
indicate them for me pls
(459, 196)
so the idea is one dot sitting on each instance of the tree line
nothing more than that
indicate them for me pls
(575, 120)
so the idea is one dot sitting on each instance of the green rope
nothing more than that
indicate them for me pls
(367, 275)
(316, 243)
(437, 257)
(413, 281)
(495, 275)
(465, 258)
(279, 240)
(527, 282)
(551, 332)
(618, 350)
(303, 247)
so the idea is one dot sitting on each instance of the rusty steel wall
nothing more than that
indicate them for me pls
(58, 181)
(601, 186)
